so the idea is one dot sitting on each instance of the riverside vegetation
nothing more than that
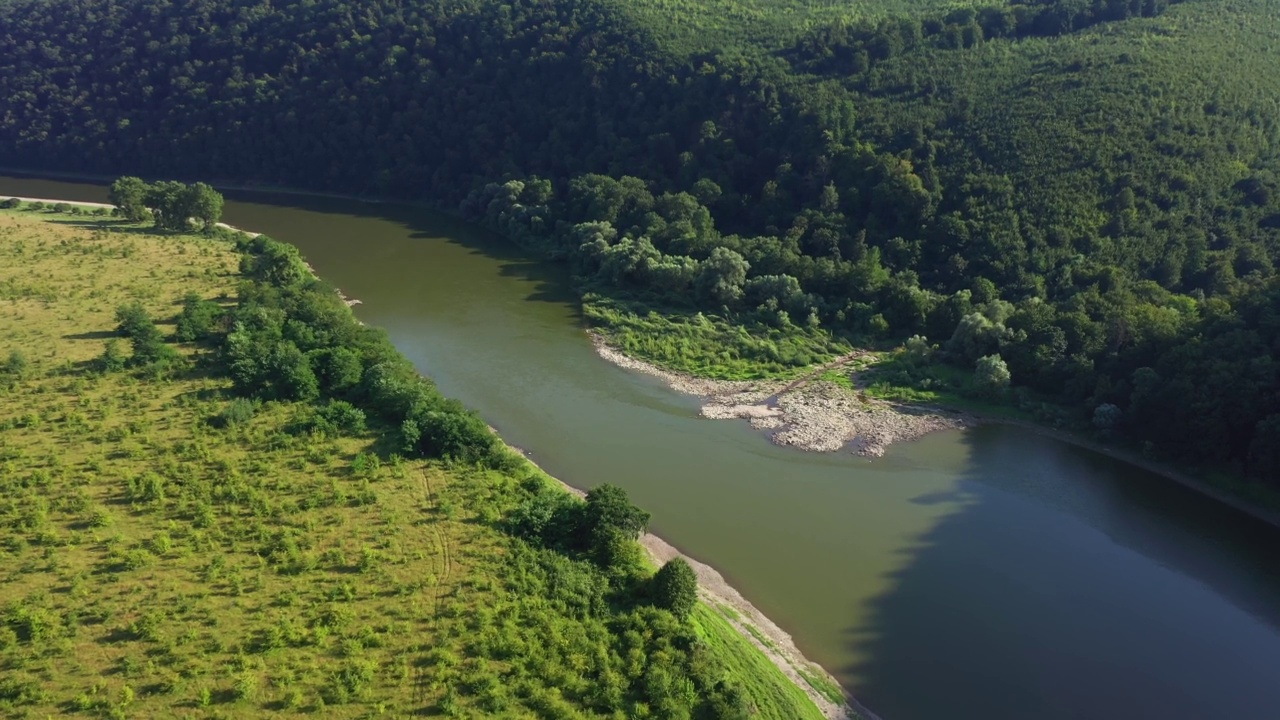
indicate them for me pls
(222, 495)
(1050, 192)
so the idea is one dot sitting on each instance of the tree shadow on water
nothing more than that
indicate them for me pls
(550, 281)
(1069, 585)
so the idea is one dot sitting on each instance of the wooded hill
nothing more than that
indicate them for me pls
(1086, 189)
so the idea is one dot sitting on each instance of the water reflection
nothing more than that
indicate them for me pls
(1063, 590)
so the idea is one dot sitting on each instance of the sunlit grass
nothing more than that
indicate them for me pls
(169, 550)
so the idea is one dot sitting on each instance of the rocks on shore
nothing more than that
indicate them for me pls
(810, 414)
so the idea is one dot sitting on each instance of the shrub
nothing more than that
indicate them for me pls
(342, 417)
(62, 207)
(150, 351)
(133, 320)
(112, 358)
(198, 320)
(991, 375)
(16, 364)
(245, 686)
(675, 588)
(11, 204)
(238, 412)
(147, 487)
(353, 681)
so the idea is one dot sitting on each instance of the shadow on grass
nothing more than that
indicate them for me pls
(94, 335)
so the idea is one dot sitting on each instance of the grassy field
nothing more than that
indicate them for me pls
(157, 560)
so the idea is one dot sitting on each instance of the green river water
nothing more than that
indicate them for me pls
(986, 573)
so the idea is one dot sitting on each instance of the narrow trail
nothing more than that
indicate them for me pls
(444, 553)
(817, 372)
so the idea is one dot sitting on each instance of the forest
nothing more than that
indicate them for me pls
(1056, 183)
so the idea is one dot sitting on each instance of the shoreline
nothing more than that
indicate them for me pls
(808, 413)
(1132, 457)
(817, 416)
(713, 589)
(777, 645)
(350, 301)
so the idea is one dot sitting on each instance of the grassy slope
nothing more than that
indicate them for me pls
(171, 607)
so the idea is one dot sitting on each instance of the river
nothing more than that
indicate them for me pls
(985, 573)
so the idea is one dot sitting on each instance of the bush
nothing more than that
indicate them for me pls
(454, 433)
(147, 487)
(352, 682)
(112, 358)
(991, 375)
(238, 412)
(62, 207)
(675, 588)
(11, 204)
(150, 350)
(342, 417)
(16, 364)
(133, 320)
(198, 320)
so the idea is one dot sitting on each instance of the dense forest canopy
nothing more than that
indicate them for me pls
(1087, 189)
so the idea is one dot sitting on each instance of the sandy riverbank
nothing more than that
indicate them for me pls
(812, 414)
(753, 625)
(809, 413)
(108, 206)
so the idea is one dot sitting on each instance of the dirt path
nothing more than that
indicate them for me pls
(839, 362)
(109, 206)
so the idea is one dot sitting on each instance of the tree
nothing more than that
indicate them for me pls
(722, 276)
(1264, 452)
(991, 375)
(608, 507)
(133, 320)
(1106, 418)
(169, 202)
(203, 203)
(198, 319)
(129, 195)
(675, 587)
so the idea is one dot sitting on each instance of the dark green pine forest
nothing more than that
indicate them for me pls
(1089, 189)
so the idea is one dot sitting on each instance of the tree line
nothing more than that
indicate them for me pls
(729, 183)
(171, 204)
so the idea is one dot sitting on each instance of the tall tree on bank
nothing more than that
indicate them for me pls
(173, 204)
(129, 195)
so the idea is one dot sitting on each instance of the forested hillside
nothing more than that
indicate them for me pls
(1086, 191)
